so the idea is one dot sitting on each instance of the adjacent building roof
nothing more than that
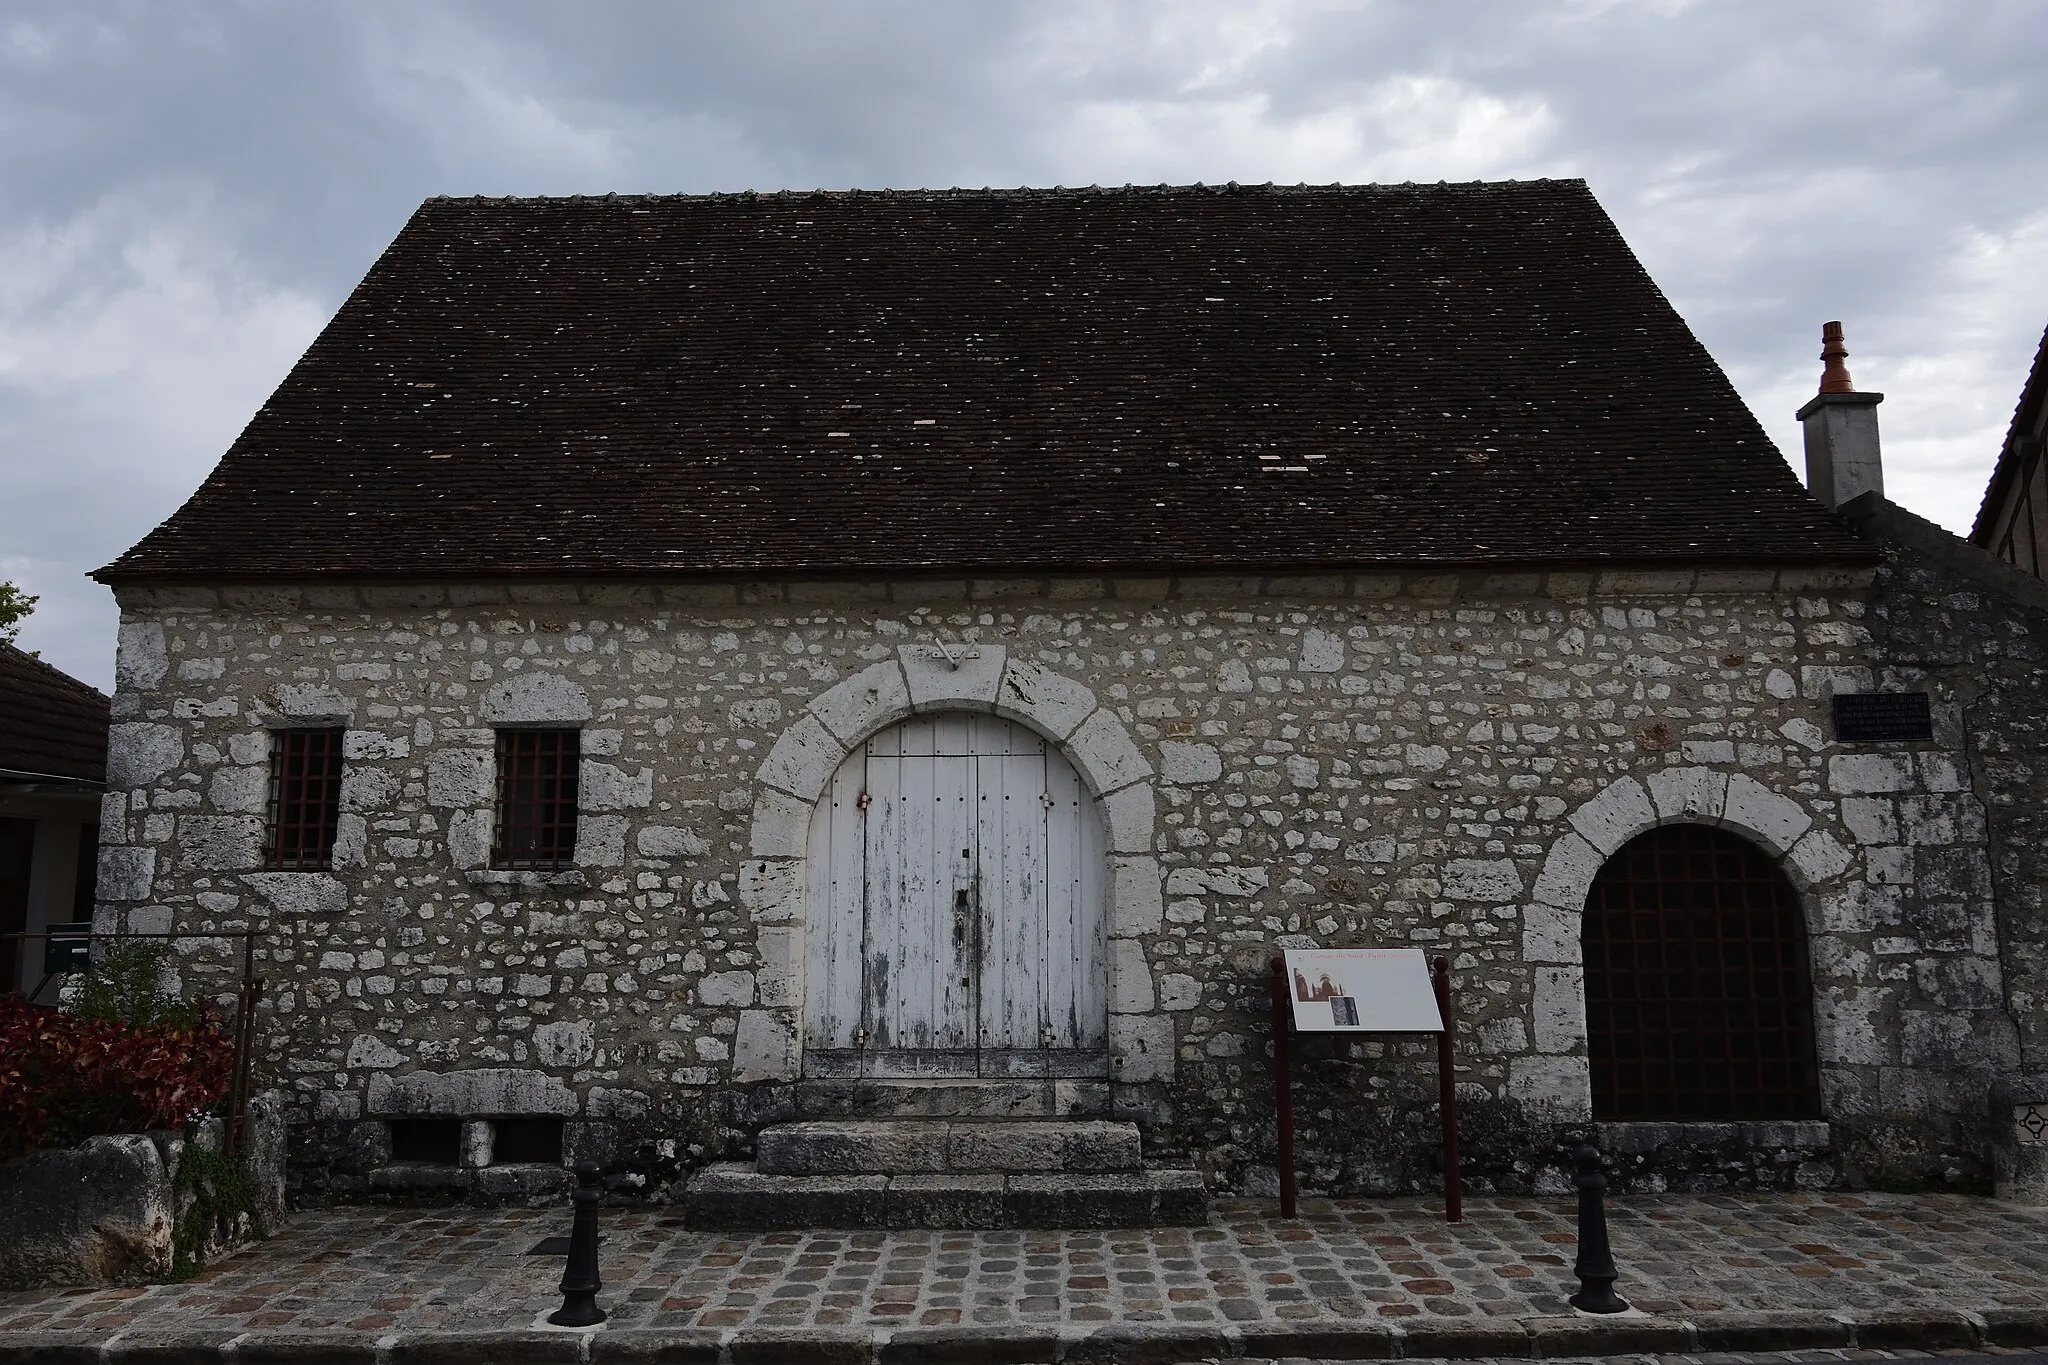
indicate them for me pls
(1027, 380)
(2011, 517)
(51, 724)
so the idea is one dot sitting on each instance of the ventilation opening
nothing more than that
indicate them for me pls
(431, 1142)
(527, 1141)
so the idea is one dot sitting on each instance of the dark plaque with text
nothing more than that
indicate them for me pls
(1882, 717)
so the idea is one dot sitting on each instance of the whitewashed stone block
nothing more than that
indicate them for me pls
(782, 825)
(871, 699)
(1557, 1011)
(239, 789)
(1051, 702)
(140, 752)
(1140, 1048)
(1227, 880)
(469, 838)
(359, 746)
(1551, 934)
(1130, 978)
(726, 989)
(1135, 903)
(141, 656)
(1754, 809)
(534, 699)
(1179, 991)
(372, 1053)
(803, 759)
(773, 891)
(565, 1042)
(1568, 873)
(485, 1090)
(1817, 857)
(299, 893)
(1132, 817)
(667, 841)
(1105, 756)
(601, 840)
(1321, 651)
(1940, 773)
(764, 1049)
(1552, 1089)
(352, 841)
(312, 701)
(1183, 763)
(600, 786)
(458, 778)
(1860, 774)
(1688, 794)
(1491, 881)
(1618, 814)
(219, 843)
(126, 874)
(1872, 820)
(964, 679)
(781, 951)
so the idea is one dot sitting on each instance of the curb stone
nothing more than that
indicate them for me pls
(1929, 1329)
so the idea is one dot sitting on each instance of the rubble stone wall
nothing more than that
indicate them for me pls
(1433, 761)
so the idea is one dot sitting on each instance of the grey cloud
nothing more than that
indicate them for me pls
(187, 189)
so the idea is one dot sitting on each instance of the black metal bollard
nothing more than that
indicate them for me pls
(1595, 1265)
(579, 1279)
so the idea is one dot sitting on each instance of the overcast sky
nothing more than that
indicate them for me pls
(189, 188)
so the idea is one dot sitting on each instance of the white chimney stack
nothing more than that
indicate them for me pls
(1841, 430)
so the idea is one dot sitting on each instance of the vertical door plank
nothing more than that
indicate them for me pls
(835, 907)
(884, 835)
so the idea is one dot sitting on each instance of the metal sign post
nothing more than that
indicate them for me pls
(1363, 990)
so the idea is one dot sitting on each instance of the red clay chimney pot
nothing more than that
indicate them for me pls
(1834, 378)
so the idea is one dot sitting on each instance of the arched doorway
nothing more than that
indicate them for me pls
(1699, 1000)
(955, 909)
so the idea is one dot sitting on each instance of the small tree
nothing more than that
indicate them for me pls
(15, 605)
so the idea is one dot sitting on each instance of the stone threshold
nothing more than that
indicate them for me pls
(1543, 1338)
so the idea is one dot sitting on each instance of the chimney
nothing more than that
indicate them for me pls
(1841, 430)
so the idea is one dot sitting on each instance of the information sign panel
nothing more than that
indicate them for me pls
(1882, 717)
(1361, 990)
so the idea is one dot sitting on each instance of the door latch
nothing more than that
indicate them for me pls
(960, 915)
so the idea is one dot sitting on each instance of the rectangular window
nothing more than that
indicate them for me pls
(536, 825)
(305, 798)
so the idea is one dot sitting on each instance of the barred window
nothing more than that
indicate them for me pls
(536, 825)
(1698, 1000)
(305, 798)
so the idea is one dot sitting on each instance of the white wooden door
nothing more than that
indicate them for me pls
(957, 878)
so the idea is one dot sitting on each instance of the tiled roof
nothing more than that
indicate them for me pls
(2026, 421)
(998, 380)
(51, 724)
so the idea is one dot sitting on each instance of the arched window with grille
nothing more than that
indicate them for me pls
(1699, 1001)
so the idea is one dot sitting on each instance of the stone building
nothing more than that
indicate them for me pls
(2012, 523)
(664, 672)
(53, 753)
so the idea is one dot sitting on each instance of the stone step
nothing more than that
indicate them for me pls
(937, 1146)
(735, 1197)
(949, 1099)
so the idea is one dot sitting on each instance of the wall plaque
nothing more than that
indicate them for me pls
(1882, 717)
(1363, 990)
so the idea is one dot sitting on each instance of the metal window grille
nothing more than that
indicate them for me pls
(305, 797)
(536, 825)
(1699, 1003)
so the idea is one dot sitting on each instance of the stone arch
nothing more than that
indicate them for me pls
(924, 678)
(1554, 1080)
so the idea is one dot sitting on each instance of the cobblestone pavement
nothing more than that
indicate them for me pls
(1389, 1262)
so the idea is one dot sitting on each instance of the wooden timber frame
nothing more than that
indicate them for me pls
(1447, 1087)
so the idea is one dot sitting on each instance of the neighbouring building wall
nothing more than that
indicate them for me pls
(1949, 618)
(1374, 760)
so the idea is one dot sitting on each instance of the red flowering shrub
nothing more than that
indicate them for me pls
(64, 1078)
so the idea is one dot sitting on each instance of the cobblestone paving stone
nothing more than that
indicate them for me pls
(1394, 1260)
